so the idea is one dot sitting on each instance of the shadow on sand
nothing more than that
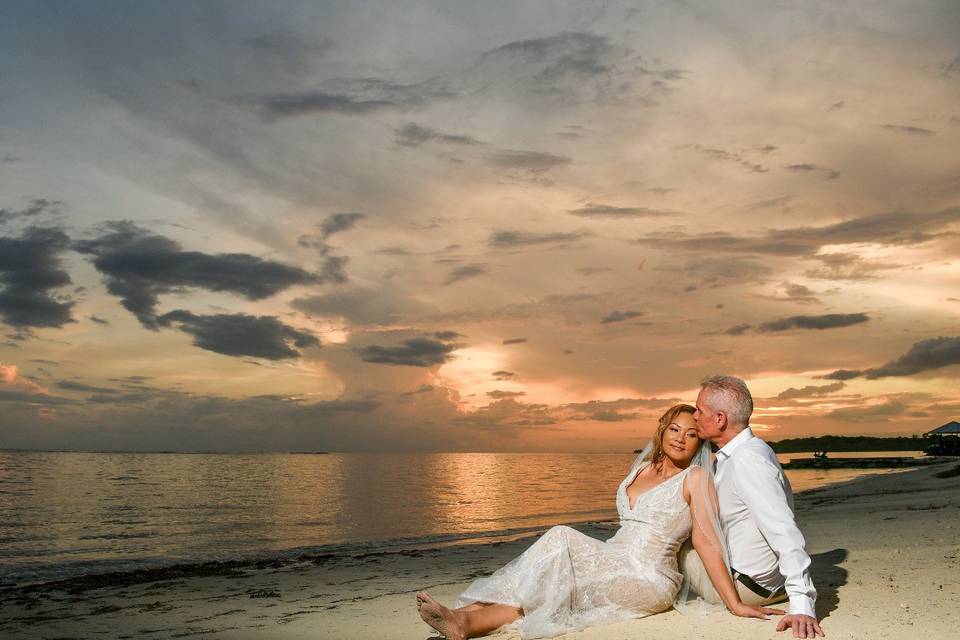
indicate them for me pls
(828, 576)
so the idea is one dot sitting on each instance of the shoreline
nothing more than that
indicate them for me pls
(884, 547)
(142, 572)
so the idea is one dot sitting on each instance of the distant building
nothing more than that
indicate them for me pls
(950, 429)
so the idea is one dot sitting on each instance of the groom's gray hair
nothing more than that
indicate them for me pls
(731, 396)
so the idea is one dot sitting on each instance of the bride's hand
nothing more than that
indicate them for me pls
(746, 611)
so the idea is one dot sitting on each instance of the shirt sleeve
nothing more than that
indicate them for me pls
(761, 487)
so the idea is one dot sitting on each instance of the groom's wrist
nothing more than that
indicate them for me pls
(802, 605)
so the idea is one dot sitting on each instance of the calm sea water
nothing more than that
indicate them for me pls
(68, 514)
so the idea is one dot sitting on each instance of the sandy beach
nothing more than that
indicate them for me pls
(886, 563)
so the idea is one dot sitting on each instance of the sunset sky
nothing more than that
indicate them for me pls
(473, 226)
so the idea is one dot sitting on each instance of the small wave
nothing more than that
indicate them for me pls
(120, 536)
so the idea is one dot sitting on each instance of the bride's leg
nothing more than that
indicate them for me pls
(476, 619)
(491, 616)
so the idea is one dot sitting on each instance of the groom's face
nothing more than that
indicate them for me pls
(708, 425)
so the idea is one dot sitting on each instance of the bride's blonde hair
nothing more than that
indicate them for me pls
(656, 453)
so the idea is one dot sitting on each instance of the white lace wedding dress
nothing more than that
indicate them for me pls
(567, 580)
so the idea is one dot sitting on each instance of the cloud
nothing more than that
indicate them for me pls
(612, 416)
(825, 321)
(809, 391)
(338, 222)
(362, 305)
(352, 96)
(806, 167)
(506, 239)
(576, 53)
(514, 341)
(414, 135)
(423, 388)
(99, 320)
(620, 316)
(595, 210)
(464, 272)
(497, 394)
(447, 335)
(870, 413)
(848, 266)
(727, 156)
(241, 334)
(926, 355)
(139, 266)
(529, 161)
(71, 385)
(796, 293)
(738, 330)
(504, 375)
(37, 206)
(914, 131)
(30, 272)
(892, 228)
(415, 352)
(592, 271)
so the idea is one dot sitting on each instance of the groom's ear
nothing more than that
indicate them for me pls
(721, 420)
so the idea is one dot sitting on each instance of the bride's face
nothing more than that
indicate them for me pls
(680, 441)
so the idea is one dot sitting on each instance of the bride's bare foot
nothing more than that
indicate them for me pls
(439, 617)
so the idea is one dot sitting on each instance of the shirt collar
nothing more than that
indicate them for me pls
(727, 450)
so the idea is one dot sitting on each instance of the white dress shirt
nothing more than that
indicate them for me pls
(756, 509)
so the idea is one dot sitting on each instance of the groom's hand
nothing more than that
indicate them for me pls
(803, 626)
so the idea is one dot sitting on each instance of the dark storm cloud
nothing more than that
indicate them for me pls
(894, 228)
(241, 334)
(507, 239)
(414, 135)
(809, 391)
(415, 352)
(914, 131)
(620, 316)
(464, 272)
(37, 206)
(532, 161)
(139, 266)
(595, 210)
(30, 271)
(926, 355)
(514, 341)
(352, 96)
(825, 321)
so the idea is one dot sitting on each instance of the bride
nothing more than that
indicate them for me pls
(567, 580)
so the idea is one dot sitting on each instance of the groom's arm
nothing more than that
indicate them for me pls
(760, 486)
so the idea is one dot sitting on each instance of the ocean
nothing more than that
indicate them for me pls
(64, 515)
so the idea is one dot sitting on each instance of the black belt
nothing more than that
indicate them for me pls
(749, 583)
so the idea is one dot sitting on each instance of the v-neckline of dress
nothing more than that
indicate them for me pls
(643, 493)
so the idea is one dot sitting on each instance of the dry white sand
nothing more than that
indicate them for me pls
(886, 563)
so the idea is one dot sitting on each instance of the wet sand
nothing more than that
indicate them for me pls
(886, 563)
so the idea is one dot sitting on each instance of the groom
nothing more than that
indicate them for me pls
(767, 558)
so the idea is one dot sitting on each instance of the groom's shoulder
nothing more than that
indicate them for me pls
(757, 447)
